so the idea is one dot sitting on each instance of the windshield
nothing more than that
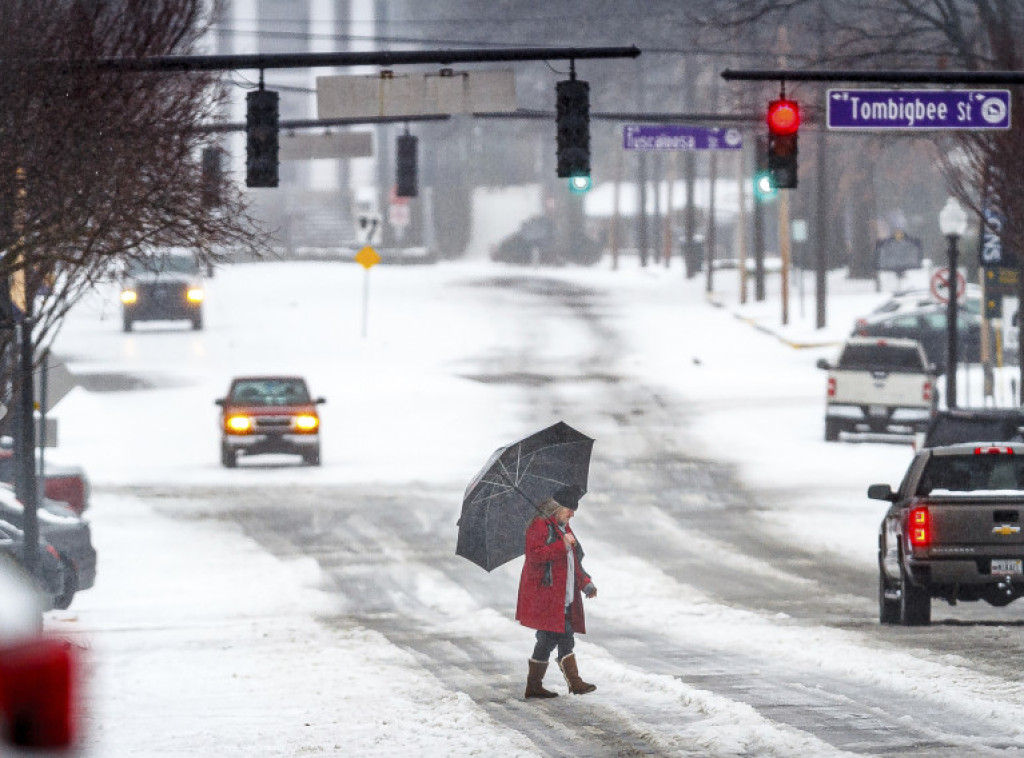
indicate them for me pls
(164, 264)
(880, 358)
(972, 473)
(269, 392)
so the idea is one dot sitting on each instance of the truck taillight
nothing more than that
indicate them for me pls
(920, 527)
(926, 391)
(831, 386)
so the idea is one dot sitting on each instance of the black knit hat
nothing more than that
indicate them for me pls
(569, 496)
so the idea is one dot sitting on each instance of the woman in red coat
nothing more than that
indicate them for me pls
(550, 595)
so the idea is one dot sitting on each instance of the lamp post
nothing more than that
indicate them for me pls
(953, 224)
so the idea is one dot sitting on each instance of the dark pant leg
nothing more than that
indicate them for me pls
(548, 641)
(567, 641)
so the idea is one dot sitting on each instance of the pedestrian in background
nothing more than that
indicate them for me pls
(551, 591)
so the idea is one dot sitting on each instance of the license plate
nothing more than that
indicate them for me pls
(877, 410)
(1007, 566)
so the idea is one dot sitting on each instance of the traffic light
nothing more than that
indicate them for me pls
(261, 118)
(405, 166)
(213, 177)
(764, 186)
(783, 124)
(573, 121)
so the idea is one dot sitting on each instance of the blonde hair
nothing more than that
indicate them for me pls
(548, 507)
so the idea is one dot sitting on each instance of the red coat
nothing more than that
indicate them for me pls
(542, 584)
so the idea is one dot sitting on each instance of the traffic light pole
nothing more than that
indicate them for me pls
(372, 58)
(26, 449)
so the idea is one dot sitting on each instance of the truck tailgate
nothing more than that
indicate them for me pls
(993, 520)
(881, 387)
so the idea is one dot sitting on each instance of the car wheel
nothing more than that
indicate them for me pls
(197, 323)
(888, 608)
(228, 457)
(63, 600)
(312, 458)
(915, 603)
(831, 430)
(126, 324)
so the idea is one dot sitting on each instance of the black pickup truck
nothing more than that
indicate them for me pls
(953, 531)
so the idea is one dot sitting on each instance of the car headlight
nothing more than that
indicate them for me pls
(194, 295)
(307, 422)
(238, 424)
(128, 297)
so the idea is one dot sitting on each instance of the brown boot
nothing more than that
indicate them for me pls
(572, 676)
(534, 679)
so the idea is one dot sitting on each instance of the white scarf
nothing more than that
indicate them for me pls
(570, 579)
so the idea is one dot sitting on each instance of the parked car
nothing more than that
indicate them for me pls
(38, 674)
(269, 414)
(952, 531)
(954, 425)
(66, 484)
(922, 297)
(928, 326)
(166, 287)
(878, 385)
(69, 533)
(53, 572)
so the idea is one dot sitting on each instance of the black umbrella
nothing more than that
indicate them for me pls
(502, 499)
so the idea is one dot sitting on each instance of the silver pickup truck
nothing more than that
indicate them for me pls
(953, 531)
(879, 385)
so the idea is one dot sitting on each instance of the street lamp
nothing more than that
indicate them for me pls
(953, 223)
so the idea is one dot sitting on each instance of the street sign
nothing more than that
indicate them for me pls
(940, 285)
(898, 253)
(416, 94)
(367, 257)
(678, 137)
(1001, 280)
(299, 147)
(883, 109)
(398, 215)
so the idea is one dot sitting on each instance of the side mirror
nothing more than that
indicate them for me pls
(881, 492)
(219, 401)
(823, 364)
(320, 400)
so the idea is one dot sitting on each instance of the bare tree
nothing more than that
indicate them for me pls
(99, 166)
(984, 170)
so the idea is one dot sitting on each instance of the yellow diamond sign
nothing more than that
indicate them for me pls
(367, 257)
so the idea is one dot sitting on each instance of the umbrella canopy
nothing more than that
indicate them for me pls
(502, 498)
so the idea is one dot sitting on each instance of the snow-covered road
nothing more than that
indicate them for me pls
(277, 610)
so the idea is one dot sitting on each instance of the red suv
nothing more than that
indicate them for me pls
(269, 414)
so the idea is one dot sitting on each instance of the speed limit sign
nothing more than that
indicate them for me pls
(940, 285)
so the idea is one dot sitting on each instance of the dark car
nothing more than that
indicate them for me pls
(953, 425)
(928, 326)
(535, 243)
(269, 414)
(66, 531)
(164, 287)
(52, 579)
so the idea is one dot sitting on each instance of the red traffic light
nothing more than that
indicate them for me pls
(783, 117)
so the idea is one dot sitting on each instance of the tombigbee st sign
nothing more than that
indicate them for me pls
(883, 109)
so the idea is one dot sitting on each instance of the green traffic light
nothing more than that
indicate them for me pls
(580, 183)
(764, 187)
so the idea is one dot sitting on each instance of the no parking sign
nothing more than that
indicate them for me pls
(940, 285)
